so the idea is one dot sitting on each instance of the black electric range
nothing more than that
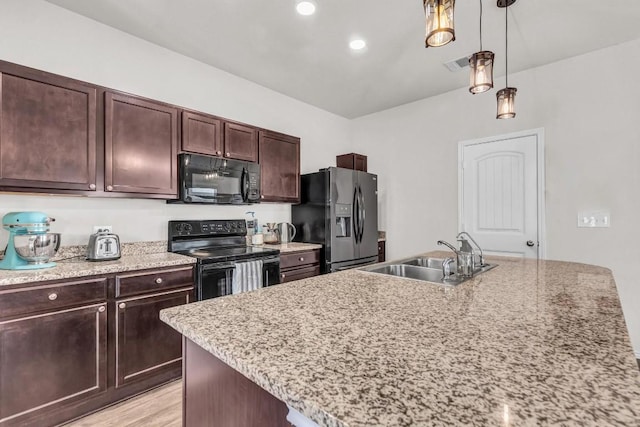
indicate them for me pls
(218, 245)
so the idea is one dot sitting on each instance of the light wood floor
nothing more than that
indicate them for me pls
(161, 407)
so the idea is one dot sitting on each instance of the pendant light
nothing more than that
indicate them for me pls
(439, 16)
(506, 97)
(481, 63)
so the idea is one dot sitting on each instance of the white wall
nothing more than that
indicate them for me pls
(589, 107)
(43, 36)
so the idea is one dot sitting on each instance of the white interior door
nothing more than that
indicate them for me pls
(501, 190)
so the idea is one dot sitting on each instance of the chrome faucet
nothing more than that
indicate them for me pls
(481, 256)
(449, 245)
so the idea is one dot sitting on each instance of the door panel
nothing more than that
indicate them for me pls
(342, 184)
(368, 247)
(240, 142)
(47, 133)
(146, 346)
(500, 199)
(201, 134)
(141, 146)
(53, 358)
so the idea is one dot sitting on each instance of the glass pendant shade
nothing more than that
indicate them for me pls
(439, 15)
(506, 103)
(481, 77)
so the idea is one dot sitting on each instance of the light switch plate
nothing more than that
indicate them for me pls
(594, 219)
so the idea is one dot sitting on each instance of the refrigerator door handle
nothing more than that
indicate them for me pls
(361, 205)
(355, 210)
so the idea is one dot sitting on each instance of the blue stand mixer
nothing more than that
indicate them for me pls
(30, 244)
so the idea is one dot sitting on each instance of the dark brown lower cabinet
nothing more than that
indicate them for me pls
(299, 265)
(68, 348)
(51, 359)
(139, 329)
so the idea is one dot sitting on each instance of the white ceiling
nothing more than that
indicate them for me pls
(308, 58)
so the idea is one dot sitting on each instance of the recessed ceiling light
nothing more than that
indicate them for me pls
(306, 8)
(357, 44)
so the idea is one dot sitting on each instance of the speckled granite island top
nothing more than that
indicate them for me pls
(527, 343)
(79, 268)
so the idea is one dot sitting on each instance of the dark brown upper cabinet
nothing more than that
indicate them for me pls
(213, 136)
(47, 131)
(201, 134)
(279, 167)
(141, 146)
(240, 142)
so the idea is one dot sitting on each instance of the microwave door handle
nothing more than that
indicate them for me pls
(244, 183)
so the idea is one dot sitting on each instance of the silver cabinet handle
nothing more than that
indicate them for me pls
(92, 186)
(159, 280)
(262, 197)
(109, 188)
(283, 276)
(122, 305)
(53, 296)
(218, 152)
(101, 309)
(301, 259)
(228, 154)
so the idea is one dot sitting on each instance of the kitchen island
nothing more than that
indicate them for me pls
(527, 343)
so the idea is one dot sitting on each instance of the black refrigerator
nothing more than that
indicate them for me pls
(339, 209)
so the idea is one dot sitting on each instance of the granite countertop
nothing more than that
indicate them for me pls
(291, 246)
(78, 267)
(527, 343)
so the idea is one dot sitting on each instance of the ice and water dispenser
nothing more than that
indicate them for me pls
(343, 220)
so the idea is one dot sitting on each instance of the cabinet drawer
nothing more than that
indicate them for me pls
(136, 283)
(299, 259)
(299, 273)
(50, 297)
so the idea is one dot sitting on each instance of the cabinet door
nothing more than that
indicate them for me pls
(201, 134)
(141, 146)
(47, 132)
(51, 359)
(240, 142)
(279, 167)
(146, 346)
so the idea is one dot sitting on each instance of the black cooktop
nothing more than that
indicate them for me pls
(210, 255)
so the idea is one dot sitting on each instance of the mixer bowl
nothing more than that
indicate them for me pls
(37, 248)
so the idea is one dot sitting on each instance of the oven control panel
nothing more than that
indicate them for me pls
(218, 227)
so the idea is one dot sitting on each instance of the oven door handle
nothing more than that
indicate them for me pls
(218, 266)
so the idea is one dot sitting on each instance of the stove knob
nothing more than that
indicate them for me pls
(188, 228)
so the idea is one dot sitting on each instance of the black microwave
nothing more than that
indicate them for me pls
(208, 179)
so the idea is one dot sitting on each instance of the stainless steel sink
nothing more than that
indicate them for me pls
(423, 268)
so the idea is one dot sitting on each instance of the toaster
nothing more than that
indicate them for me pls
(103, 246)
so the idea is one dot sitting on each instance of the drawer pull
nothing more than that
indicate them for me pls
(101, 309)
(282, 276)
(122, 305)
(301, 259)
(218, 152)
(53, 296)
(159, 280)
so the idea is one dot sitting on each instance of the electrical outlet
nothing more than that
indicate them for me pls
(594, 219)
(102, 228)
